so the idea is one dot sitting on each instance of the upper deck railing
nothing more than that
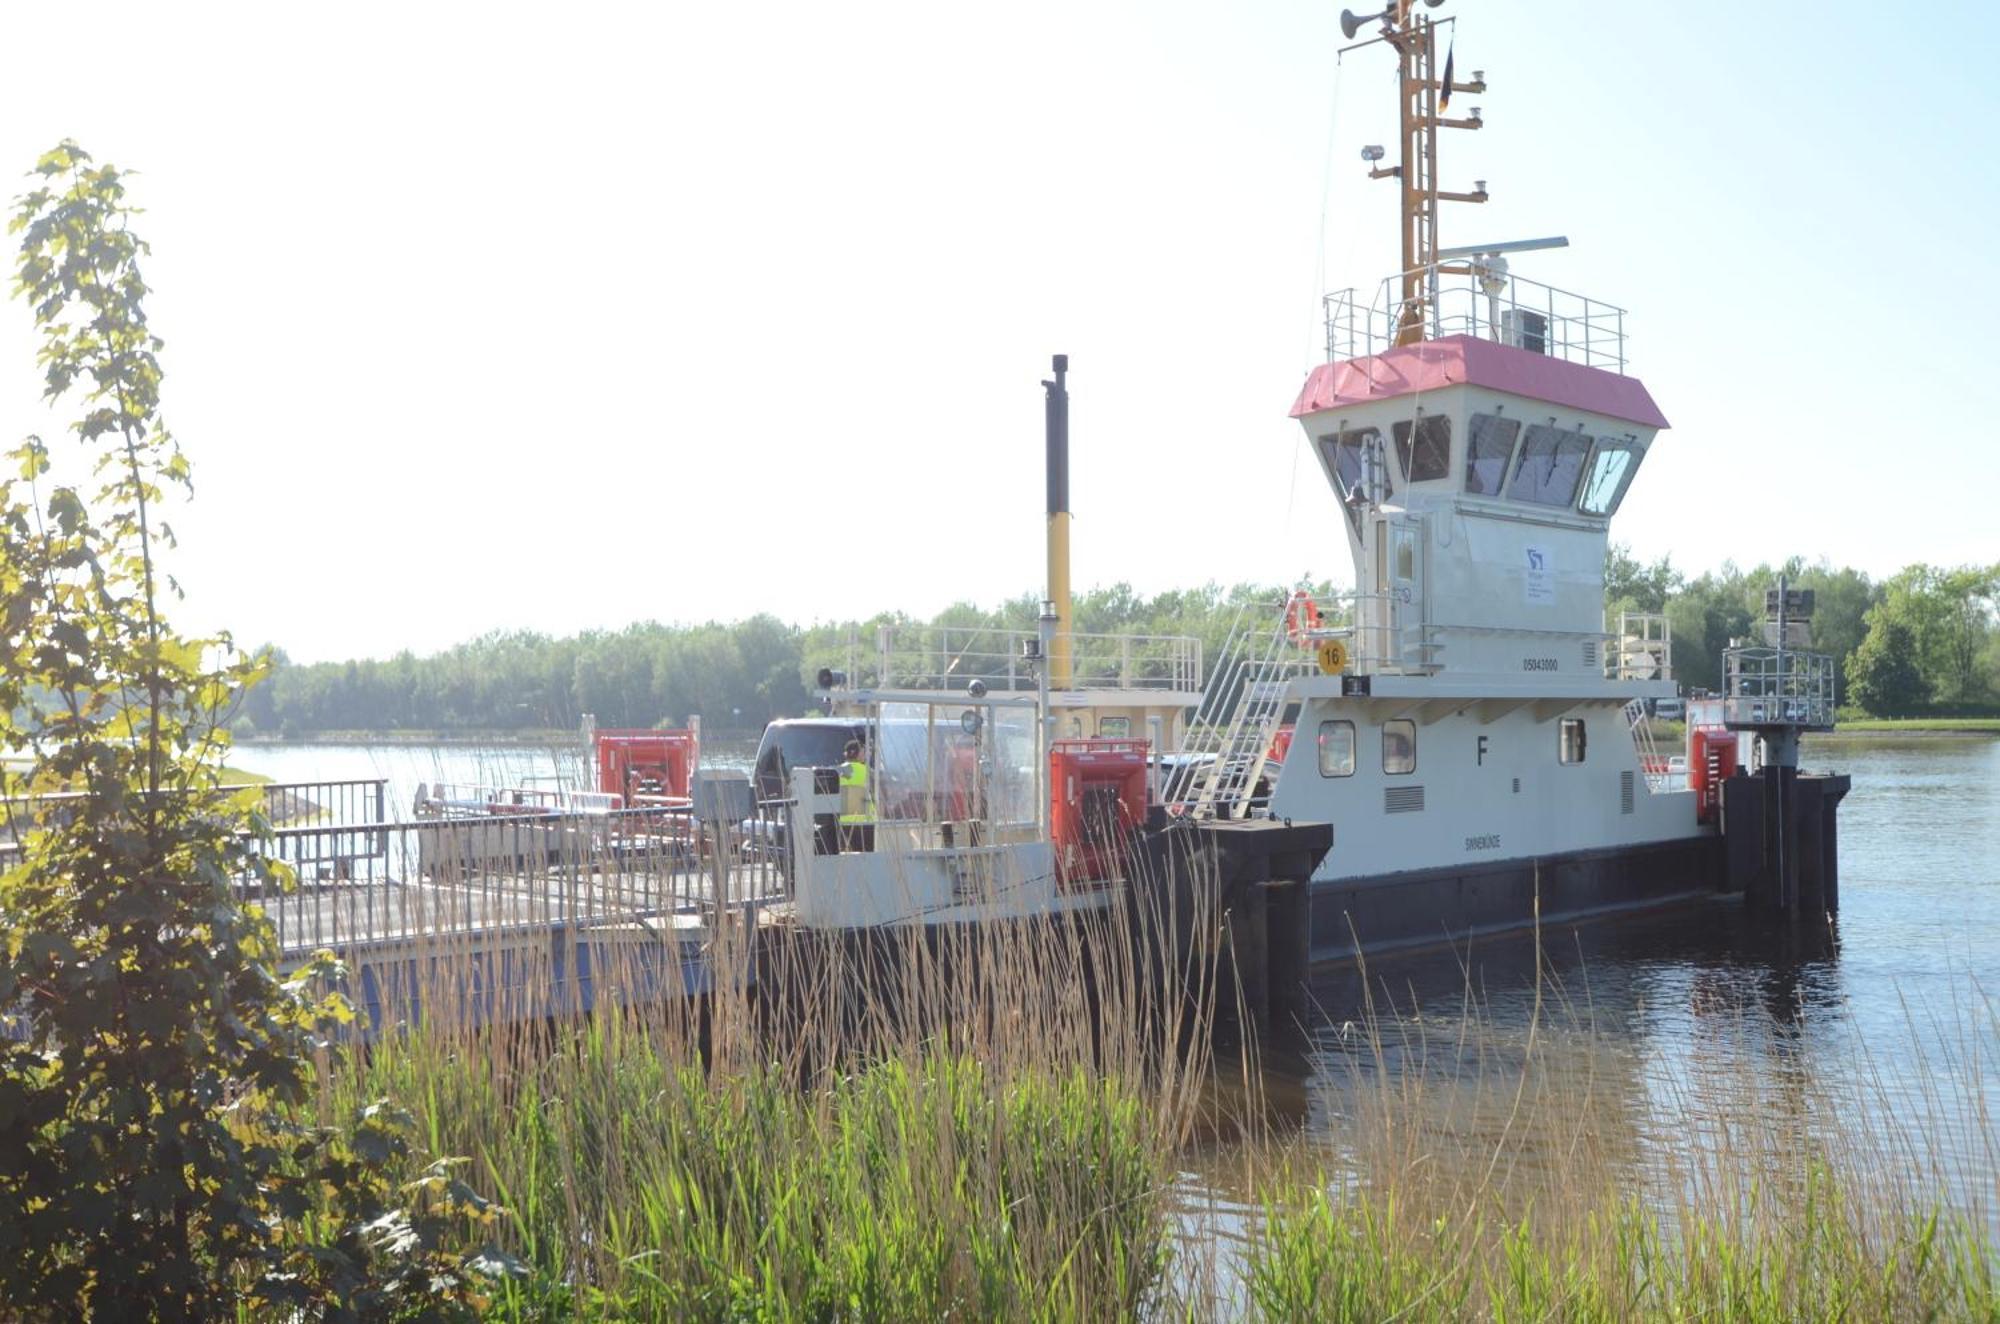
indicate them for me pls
(1468, 298)
(952, 657)
(1777, 687)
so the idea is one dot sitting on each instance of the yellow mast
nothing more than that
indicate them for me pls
(1414, 38)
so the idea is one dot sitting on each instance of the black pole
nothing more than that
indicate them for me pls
(1057, 411)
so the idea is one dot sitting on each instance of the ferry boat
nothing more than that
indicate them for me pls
(1456, 746)
(1463, 721)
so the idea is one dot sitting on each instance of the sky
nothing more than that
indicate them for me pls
(562, 317)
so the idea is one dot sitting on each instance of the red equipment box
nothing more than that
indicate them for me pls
(647, 767)
(1711, 760)
(1097, 795)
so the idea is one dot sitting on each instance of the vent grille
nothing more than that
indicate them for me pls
(1590, 655)
(1625, 792)
(1403, 800)
(1517, 786)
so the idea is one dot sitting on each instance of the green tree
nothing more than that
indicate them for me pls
(1632, 586)
(1949, 613)
(151, 1163)
(1882, 675)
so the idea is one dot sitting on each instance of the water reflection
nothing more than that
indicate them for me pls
(1694, 1051)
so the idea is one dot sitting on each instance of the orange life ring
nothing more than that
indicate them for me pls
(1301, 618)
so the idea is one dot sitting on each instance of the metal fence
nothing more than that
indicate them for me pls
(1469, 298)
(951, 657)
(326, 802)
(1777, 687)
(481, 878)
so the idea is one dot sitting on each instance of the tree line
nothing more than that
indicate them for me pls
(1922, 641)
(736, 675)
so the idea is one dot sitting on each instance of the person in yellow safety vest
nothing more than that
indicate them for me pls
(857, 802)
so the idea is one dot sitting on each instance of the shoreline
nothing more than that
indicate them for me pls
(1915, 726)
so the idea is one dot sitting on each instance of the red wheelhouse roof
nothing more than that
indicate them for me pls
(1433, 365)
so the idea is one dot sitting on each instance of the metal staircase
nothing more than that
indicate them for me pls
(1651, 761)
(1240, 711)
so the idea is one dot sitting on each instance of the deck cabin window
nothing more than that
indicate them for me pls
(1114, 727)
(1610, 472)
(1572, 740)
(1489, 445)
(1343, 457)
(1336, 749)
(1399, 747)
(1424, 447)
(1550, 466)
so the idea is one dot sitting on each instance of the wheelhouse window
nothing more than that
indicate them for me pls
(1399, 747)
(1550, 466)
(1610, 472)
(1489, 445)
(1424, 447)
(1571, 744)
(1336, 749)
(1343, 456)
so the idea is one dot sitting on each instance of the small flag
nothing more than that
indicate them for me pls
(1444, 97)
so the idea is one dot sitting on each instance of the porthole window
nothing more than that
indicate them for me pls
(1572, 740)
(1399, 747)
(1336, 749)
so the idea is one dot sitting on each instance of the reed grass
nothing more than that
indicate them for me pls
(974, 1123)
(1487, 1169)
(996, 1122)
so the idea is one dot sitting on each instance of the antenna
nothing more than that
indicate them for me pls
(1494, 250)
(1422, 94)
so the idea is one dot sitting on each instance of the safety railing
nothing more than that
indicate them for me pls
(327, 802)
(1777, 687)
(449, 800)
(1643, 649)
(1469, 298)
(477, 880)
(1383, 632)
(952, 657)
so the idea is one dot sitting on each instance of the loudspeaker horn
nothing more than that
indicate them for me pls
(1350, 22)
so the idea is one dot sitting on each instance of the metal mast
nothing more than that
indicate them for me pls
(1421, 95)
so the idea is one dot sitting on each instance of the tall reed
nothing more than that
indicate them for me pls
(1485, 1167)
(976, 1120)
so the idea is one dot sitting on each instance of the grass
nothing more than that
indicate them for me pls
(1320, 1258)
(1954, 725)
(983, 1126)
(1484, 1170)
(997, 1125)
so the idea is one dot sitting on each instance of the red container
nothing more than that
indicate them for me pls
(1097, 795)
(647, 767)
(1711, 761)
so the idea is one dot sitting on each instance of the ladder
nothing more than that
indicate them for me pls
(1240, 711)
(1651, 763)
